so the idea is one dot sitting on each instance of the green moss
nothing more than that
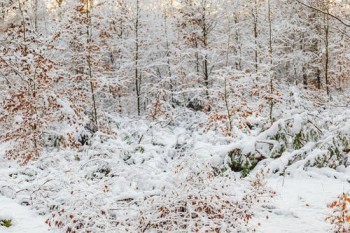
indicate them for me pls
(6, 222)
(140, 149)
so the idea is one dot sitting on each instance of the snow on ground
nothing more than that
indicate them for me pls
(300, 206)
(301, 203)
(23, 219)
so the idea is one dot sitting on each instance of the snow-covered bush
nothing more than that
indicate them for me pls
(340, 216)
(82, 211)
(96, 190)
(304, 138)
(203, 200)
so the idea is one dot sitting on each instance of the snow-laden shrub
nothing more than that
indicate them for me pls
(79, 196)
(82, 211)
(203, 201)
(243, 163)
(317, 141)
(340, 215)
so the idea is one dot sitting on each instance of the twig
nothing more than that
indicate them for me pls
(146, 227)
(324, 12)
(315, 126)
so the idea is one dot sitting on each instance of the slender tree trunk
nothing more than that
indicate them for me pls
(239, 50)
(255, 18)
(36, 115)
(2, 11)
(197, 56)
(318, 74)
(205, 43)
(271, 61)
(305, 81)
(120, 55)
(227, 108)
(226, 95)
(137, 75)
(23, 20)
(326, 29)
(36, 15)
(89, 62)
(168, 57)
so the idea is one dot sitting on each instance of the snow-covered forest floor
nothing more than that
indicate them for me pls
(300, 203)
(121, 182)
(298, 207)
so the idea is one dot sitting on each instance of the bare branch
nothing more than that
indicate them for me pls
(326, 13)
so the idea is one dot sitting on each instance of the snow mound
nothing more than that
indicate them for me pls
(22, 218)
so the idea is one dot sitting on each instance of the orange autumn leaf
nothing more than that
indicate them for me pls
(348, 219)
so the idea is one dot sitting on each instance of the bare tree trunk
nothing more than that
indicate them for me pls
(305, 81)
(36, 15)
(205, 31)
(23, 23)
(121, 37)
(326, 29)
(197, 56)
(229, 117)
(2, 12)
(168, 56)
(137, 75)
(255, 18)
(92, 89)
(271, 61)
(238, 51)
(318, 73)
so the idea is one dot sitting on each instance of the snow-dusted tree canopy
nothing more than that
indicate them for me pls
(173, 115)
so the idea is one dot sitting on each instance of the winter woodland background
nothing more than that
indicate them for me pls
(175, 115)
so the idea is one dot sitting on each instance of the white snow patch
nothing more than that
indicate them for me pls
(23, 219)
(300, 204)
